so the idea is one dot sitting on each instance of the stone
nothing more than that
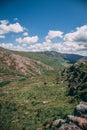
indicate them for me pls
(81, 109)
(45, 102)
(58, 122)
(81, 122)
(70, 126)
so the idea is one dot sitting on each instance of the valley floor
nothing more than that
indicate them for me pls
(27, 104)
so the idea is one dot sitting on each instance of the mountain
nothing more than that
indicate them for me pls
(56, 62)
(68, 58)
(11, 62)
(73, 58)
(35, 62)
(43, 101)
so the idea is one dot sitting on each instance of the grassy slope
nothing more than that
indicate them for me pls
(22, 106)
(56, 64)
(22, 100)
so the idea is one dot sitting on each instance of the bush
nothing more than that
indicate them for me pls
(4, 83)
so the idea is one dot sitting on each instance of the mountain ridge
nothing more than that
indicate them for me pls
(21, 64)
(69, 58)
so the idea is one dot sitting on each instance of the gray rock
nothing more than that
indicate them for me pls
(58, 122)
(69, 127)
(80, 121)
(81, 109)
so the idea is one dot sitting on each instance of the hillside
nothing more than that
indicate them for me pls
(30, 104)
(77, 89)
(56, 60)
(35, 96)
(57, 64)
(77, 79)
(41, 102)
(64, 58)
(10, 62)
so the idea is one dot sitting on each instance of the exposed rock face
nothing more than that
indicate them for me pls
(70, 126)
(81, 122)
(77, 80)
(77, 121)
(81, 109)
(21, 64)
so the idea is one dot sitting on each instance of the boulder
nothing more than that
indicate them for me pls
(70, 126)
(81, 109)
(58, 122)
(81, 122)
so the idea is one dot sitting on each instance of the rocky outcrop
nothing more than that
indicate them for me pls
(58, 122)
(78, 121)
(77, 80)
(70, 126)
(81, 109)
(21, 64)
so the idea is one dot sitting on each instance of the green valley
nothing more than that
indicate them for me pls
(33, 99)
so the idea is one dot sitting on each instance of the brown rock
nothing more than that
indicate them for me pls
(81, 122)
(58, 122)
(81, 109)
(69, 127)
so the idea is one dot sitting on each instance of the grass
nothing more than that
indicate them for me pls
(56, 64)
(4, 83)
(34, 101)
(29, 103)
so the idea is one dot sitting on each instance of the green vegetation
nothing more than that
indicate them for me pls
(57, 64)
(77, 78)
(4, 83)
(31, 102)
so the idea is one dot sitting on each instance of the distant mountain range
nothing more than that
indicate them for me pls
(69, 58)
(35, 62)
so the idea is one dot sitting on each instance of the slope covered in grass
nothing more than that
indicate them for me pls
(11, 63)
(34, 102)
(57, 64)
(27, 104)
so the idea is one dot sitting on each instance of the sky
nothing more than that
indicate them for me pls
(44, 25)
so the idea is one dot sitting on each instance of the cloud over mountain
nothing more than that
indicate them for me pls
(73, 42)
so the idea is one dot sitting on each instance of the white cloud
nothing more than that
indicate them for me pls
(12, 46)
(7, 45)
(2, 36)
(53, 34)
(74, 42)
(25, 34)
(6, 27)
(27, 40)
(80, 35)
(5, 22)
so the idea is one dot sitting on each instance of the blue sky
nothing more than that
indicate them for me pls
(39, 25)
